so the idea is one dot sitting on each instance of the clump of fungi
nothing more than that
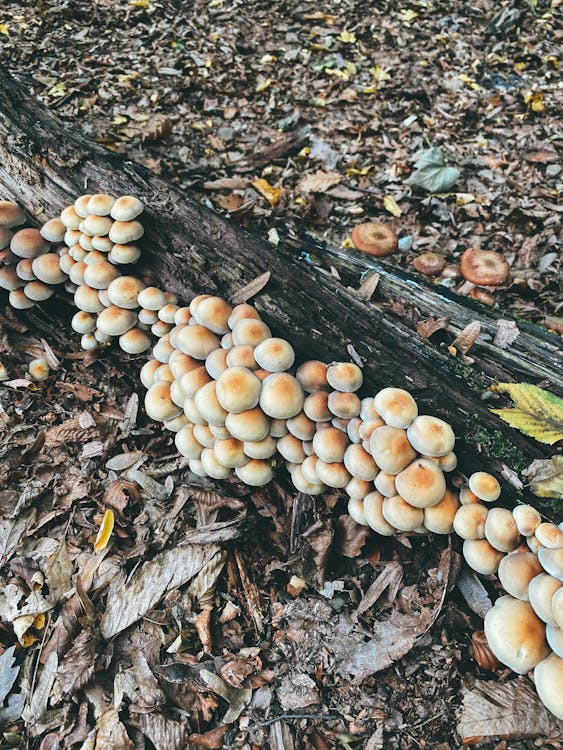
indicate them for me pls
(238, 404)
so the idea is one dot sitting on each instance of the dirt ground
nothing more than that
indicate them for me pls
(268, 621)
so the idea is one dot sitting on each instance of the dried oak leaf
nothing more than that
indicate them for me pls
(349, 536)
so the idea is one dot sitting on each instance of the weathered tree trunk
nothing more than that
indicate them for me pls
(190, 249)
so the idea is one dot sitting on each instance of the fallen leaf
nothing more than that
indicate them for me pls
(269, 192)
(474, 593)
(8, 674)
(545, 477)
(507, 333)
(350, 537)
(430, 326)
(35, 709)
(467, 338)
(537, 413)
(318, 182)
(432, 174)
(251, 289)
(163, 732)
(237, 698)
(104, 534)
(391, 205)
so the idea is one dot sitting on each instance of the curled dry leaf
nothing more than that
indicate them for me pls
(350, 537)
(251, 289)
(481, 651)
(120, 493)
(467, 338)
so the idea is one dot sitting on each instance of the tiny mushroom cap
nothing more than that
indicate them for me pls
(375, 238)
(226, 340)
(515, 572)
(238, 389)
(248, 425)
(281, 396)
(216, 362)
(448, 462)
(9, 279)
(467, 497)
(302, 427)
(160, 329)
(102, 244)
(19, 300)
(309, 468)
(557, 607)
(396, 406)
(148, 370)
(527, 519)
(548, 679)
(256, 473)
(38, 369)
(219, 432)
(554, 637)
(356, 511)
(316, 408)
(230, 453)
(241, 356)
(182, 316)
(469, 521)
(481, 556)
(515, 634)
(164, 373)
(208, 405)
(333, 474)
(312, 376)
(485, 486)
(158, 404)
(66, 262)
(344, 376)
(213, 313)
(83, 322)
(542, 590)
(176, 424)
(89, 342)
(193, 380)
(134, 341)
(250, 331)
(291, 448)
(100, 204)
(430, 264)
(421, 484)
(124, 232)
(242, 311)
(11, 215)
(501, 531)
(98, 226)
(439, 518)
(162, 349)
(211, 465)
(81, 205)
(38, 291)
(124, 292)
(5, 237)
(302, 484)
(86, 298)
(400, 514)
(385, 484)
(357, 488)
(275, 355)
(100, 275)
(391, 449)
(47, 269)
(368, 410)
(344, 405)
(113, 321)
(123, 254)
(28, 243)
(187, 444)
(197, 341)
(196, 300)
(53, 230)
(85, 242)
(373, 510)
(548, 534)
(70, 218)
(431, 436)
(484, 267)
(167, 313)
(552, 561)
(126, 208)
(196, 467)
(360, 463)
(278, 428)
(330, 444)
(263, 449)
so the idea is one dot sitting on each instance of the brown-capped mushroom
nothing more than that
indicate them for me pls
(274, 355)
(281, 396)
(213, 313)
(197, 341)
(391, 449)
(119, 254)
(527, 519)
(28, 243)
(248, 425)
(312, 376)
(373, 511)
(250, 331)
(19, 300)
(255, 473)
(53, 230)
(480, 555)
(469, 521)
(548, 679)
(501, 530)
(11, 215)
(484, 267)
(374, 238)
(38, 369)
(515, 572)
(344, 376)
(421, 483)
(429, 264)
(400, 514)
(126, 208)
(431, 436)
(515, 634)
(47, 269)
(38, 291)
(439, 518)
(485, 486)
(158, 404)
(113, 321)
(125, 232)
(395, 405)
(134, 341)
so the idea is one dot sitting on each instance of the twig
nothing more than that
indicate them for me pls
(290, 717)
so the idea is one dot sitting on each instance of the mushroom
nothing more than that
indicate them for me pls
(134, 341)
(241, 356)
(552, 561)
(70, 219)
(421, 484)
(302, 484)
(11, 215)
(515, 572)
(316, 408)
(5, 237)
(84, 322)
(481, 556)
(542, 590)
(467, 497)
(88, 342)
(102, 244)
(291, 448)
(344, 405)
(81, 205)
(527, 519)
(301, 426)
(400, 514)
(265, 448)
(391, 449)
(501, 530)
(557, 607)
(207, 403)
(187, 444)
(248, 425)
(196, 340)
(211, 465)
(53, 230)
(312, 376)
(194, 379)
(332, 474)
(98, 226)
(216, 362)
(469, 521)
(554, 638)
(124, 291)
(100, 275)
(126, 208)
(515, 635)
(430, 264)
(281, 396)
(485, 486)
(160, 329)
(278, 428)
(123, 254)
(9, 279)
(547, 534)
(167, 313)
(182, 316)
(113, 321)
(374, 238)
(439, 518)
(385, 484)
(250, 331)
(356, 511)
(47, 269)
(256, 473)
(357, 488)
(242, 311)
(158, 404)
(213, 313)
(230, 453)
(360, 463)
(76, 273)
(37, 291)
(344, 376)
(395, 405)
(28, 243)
(124, 232)
(353, 429)
(548, 678)
(100, 204)
(238, 389)
(431, 436)
(274, 354)
(19, 300)
(330, 445)
(484, 267)
(87, 299)
(148, 370)
(38, 369)
(373, 511)
(176, 424)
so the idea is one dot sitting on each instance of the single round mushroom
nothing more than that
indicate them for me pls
(83, 322)
(312, 376)
(548, 679)
(541, 593)
(263, 449)
(187, 444)
(53, 230)
(469, 521)
(515, 572)
(353, 429)
(291, 448)
(315, 406)
(332, 474)
(193, 380)
(238, 390)
(100, 275)
(70, 219)
(356, 511)
(208, 404)
(230, 453)
(421, 483)
(301, 426)
(281, 395)
(87, 299)
(344, 405)
(19, 300)
(480, 555)
(182, 316)
(100, 204)
(38, 291)
(515, 635)
(274, 354)
(213, 313)
(176, 424)
(96, 226)
(250, 331)
(501, 530)
(11, 215)
(527, 519)
(211, 465)
(357, 488)
(373, 511)
(126, 208)
(431, 436)
(467, 497)
(114, 321)
(242, 311)
(255, 473)
(241, 356)
(148, 370)
(167, 313)
(160, 329)
(430, 264)
(125, 232)
(385, 484)
(395, 405)
(158, 404)
(548, 534)
(552, 561)
(248, 425)
(47, 269)
(134, 341)
(400, 514)
(124, 292)
(391, 449)
(81, 205)
(485, 486)
(278, 428)
(38, 369)
(216, 362)
(197, 341)
(484, 267)
(360, 463)
(28, 243)
(121, 255)
(301, 483)
(9, 279)
(76, 273)
(374, 238)
(330, 445)
(196, 467)
(88, 342)
(344, 376)
(102, 244)
(439, 518)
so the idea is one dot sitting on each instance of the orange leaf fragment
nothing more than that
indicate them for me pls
(105, 531)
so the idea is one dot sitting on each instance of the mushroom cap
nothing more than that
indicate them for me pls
(19, 300)
(344, 405)
(291, 448)
(96, 226)
(100, 275)
(167, 313)
(122, 254)
(357, 488)
(87, 299)
(208, 405)
(193, 380)
(161, 329)
(85, 241)
(557, 607)
(360, 463)
(211, 465)
(353, 430)
(197, 341)
(226, 341)
(256, 473)
(515, 634)
(396, 406)
(126, 208)
(469, 521)
(431, 436)
(242, 311)
(374, 238)
(124, 232)
(158, 404)
(248, 425)
(84, 322)
(301, 426)
(28, 243)
(481, 556)
(76, 272)
(316, 408)
(274, 354)
(312, 376)
(330, 445)
(485, 486)
(515, 572)
(484, 267)
(230, 453)
(148, 370)
(263, 449)
(501, 530)
(548, 679)
(47, 269)
(37, 291)
(9, 279)
(124, 291)
(134, 341)
(196, 467)
(102, 244)
(221, 433)
(385, 484)
(5, 237)
(250, 331)
(439, 518)
(368, 410)
(66, 262)
(114, 320)
(81, 205)
(238, 389)
(373, 511)
(301, 483)
(430, 264)
(282, 396)
(467, 497)
(542, 590)
(391, 449)
(309, 469)
(38, 369)
(181, 363)
(204, 435)
(344, 376)
(88, 342)
(400, 514)
(53, 230)
(552, 561)
(182, 316)
(100, 204)
(216, 362)
(163, 349)
(554, 637)
(527, 519)
(241, 356)
(164, 373)
(356, 511)
(421, 484)
(213, 313)
(548, 534)
(278, 428)
(70, 218)
(187, 444)
(11, 215)
(176, 424)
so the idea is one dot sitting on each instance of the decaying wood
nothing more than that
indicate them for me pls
(190, 249)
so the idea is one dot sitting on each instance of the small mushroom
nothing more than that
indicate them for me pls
(158, 404)
(37, 291)
(187, 444)
(19, 300)
(100, 275)
(81, 205)
(547, 534)
(208, 404)
(114, 321)
(330, 445)
(484, 267)
(485, 486)
(515, 572)
(5, 237)
(263, 449)
(469, 521)
(193, 380)
(11, 215)
(391, 449)
(196, 340)
(255, 473)
(28, 243)
(356, 488)
(274, 355)
(87, 299)
(100, 204)
(400, 514)
(429, 264)
(124, 232)
(421, 483)
(98, 226)
(554, 638)
(122, 255)
(70, 219)
(88, 342)
(480, 555)
(373, 511)
(47, 269)
(431, 436)
(333, 474)
(344, 405)
(557, 607)
(53, 230)
(374, 238)
(395, 405)
(126, 208)
(312, 376)
(84, 322)
(10, 279)
(515, 634)
(527, 519)
(291, 448)
(241, 356)
(344, 376)
(385, 483)
(439, 518)
(304, 485)
(239, 312)
(167, 313)
(216, 362)
(230, 453)
(501, 530)
(360, 463)
(248, 425)
(213, 313)
(124, 292)
(548, 679)
(316, 408)
(301, 426)
(238, 389)
(541, 594)
(38, 369)
(134, 341)
(552, 561)
(250, 331)
(102, 245)
(356, 511)
(281, 396)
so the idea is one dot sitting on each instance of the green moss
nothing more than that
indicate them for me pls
(495, 444)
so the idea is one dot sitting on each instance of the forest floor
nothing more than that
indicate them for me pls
(267, 621)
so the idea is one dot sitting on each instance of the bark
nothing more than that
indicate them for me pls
(190, 249)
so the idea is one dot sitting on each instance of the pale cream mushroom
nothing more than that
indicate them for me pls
(373, 511)
(100, 275)
(176, 424)
(70, 218)
(396, 406)
(250, 331)
(207, 403)
(47, 269)
(230, 453)
(385, 484)
(181, 363)
(53, 230)
(554, 638)
(391, 449)
(81, 205)
(400, 514)
(87, 299)
(151, 298)
(274, 355)
(76, 273)
(241, 356)
(316, 408)
(485, 486)
(239, 312)
(165, 373)
(196, 467)
(28, 243)
(421, 483)
(344, 376)
(134, 341)
(515, 572)
(158, 404)
(265, 448)
(356, 511)
(163, 349)
(187, 444)
(182, 316)
(85, 242)
(309, 468)
(344, 405)
(312, 376)
(96, 226)
(368, 410)
(330, 445)
(11, 215)
(467, 497)
(431, 436)
(113, 321)
(193, 380)
(481, 556)
(124, 292)
(301, 426)
(148, 370)
(9, 279)
(88, 342)
(439, 518)
(256, 473)
(557, 607)
(358, 488)
(527, 519)
(19, 300)
(548, 534)
(211, 465)
(291, 448)
(160, 329)
(281, 396)
(125, 232)
(197, 341)
(333, 474)
(353, 429)
(278, 428)
(541, 593)
(83, 322)
(213, 313)
(5, 237)
(100, 204)
(37, 291)
(167, 313)
(548, 678)
(38, 369)
(238, 390)
(126, 208)
(469, 521)
(204, 435)
(552, 561)
(248, 425)
(501, 530)
(103, 245)
(216, 362)
(360, 463)
(515, 635)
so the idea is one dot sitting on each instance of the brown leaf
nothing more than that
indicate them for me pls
(121, 492)
(251, 289)
(318, 182)
(212, 740)
(349, 537)
(466, 338)
(428, 327)
(228, 183)
(390, 577)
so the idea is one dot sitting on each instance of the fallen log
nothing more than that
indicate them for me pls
(190, 249)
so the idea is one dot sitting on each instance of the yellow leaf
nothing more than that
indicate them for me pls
(119, 120)
(380, 74)
(4, 28)
(141, 4)
(469, 81)
(28, 640)
(534, 100)
(262, 84)
(363, 171)
(390, 204)
(407, 15)
(347, 37)
(267, 191)
(537, 413)
(59, 89)
(105, 531)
